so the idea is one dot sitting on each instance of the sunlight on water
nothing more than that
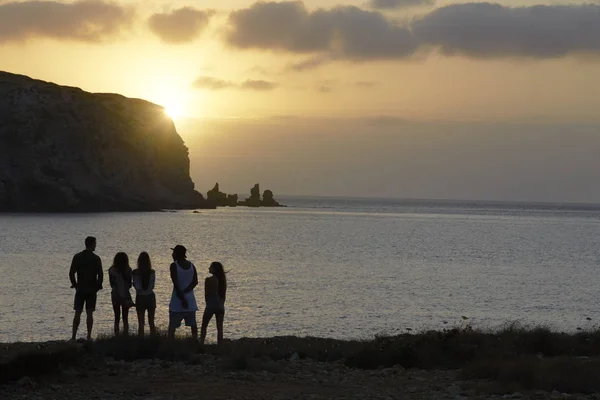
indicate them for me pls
(322, 268)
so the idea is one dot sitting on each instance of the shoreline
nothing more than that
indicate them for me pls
(453, 362)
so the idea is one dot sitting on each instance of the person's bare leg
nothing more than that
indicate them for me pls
(220, 317)
(126, 321)
(89, 323)
(151, 321)
(141, 317)
(205, 321)
(76, 321)
(117, 310)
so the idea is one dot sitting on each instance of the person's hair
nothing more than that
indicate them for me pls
(144, 268)
(121, 263)
(90, 241)
(219, 272)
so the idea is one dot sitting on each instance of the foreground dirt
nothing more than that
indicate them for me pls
(208, 377)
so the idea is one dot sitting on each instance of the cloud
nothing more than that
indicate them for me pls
(477, 30)
(260, 70)
(210, 83)
(485, 30)
(180, 26)
(258, 85)
(344, 32)
(311, 63)
(87, 21)
(398, 4)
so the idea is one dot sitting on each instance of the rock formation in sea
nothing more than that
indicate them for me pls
(217, 197)
(232, 200)
(255, 201)
(268, 200)
(64, 149)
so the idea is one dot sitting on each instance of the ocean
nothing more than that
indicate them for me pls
(326, 267)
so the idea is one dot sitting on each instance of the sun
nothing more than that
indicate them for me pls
(175, 106)
(174, 111)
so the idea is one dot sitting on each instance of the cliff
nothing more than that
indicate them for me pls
(63, 149)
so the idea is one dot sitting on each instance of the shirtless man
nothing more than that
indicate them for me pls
(86, 278)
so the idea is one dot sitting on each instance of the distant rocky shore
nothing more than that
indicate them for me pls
(220, 199)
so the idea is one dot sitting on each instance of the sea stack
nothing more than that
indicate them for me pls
(255, 201)
(63, 149)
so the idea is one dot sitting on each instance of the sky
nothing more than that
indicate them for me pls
(377, 98)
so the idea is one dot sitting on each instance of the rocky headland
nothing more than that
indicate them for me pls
(66, 150)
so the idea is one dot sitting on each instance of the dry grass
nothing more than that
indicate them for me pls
(516, 357)
(33, 359)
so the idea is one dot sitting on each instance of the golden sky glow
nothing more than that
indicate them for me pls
(137, 63)
(233, 60)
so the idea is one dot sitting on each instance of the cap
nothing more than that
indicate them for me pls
(179, 249)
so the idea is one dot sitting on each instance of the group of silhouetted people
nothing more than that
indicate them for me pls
(87, 277)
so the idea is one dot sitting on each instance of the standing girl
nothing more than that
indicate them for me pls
(120, 275)
(145, 300)
(215, 290)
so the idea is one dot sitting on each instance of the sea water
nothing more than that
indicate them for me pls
(341, 268)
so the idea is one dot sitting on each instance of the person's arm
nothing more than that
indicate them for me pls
(193, 283)
(111, 279)
(72, 272)
(137, 282)
(152, 280)
(100, 274)
(129, 279)
(178, 291)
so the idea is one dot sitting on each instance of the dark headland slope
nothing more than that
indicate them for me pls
(64, 149)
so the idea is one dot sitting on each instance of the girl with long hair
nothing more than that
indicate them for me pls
(144, 278)
(215, 290)
(120, 276)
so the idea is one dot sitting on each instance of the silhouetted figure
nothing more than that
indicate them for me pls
(144, 278)
(120, 276)
(215, 290)
(86, 278)
(183, 304)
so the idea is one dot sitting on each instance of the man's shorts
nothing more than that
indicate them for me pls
(175, 318)
(85, 299)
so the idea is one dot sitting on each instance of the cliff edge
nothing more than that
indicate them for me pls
(64, 149)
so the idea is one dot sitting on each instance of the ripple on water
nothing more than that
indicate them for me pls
(310, 272)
